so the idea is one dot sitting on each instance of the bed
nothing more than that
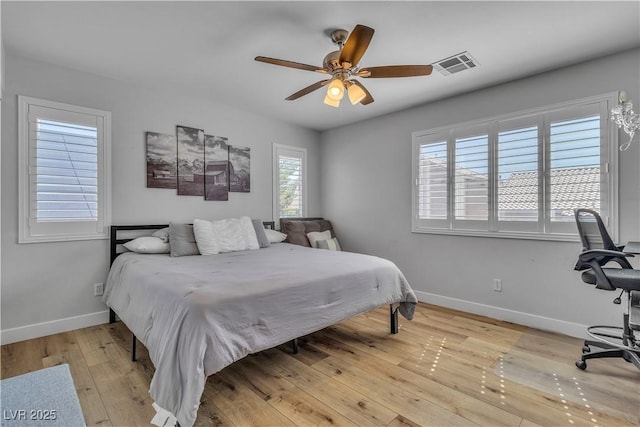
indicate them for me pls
(198, 314)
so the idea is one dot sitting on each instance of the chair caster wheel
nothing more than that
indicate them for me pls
(581, 364)
(586, 349)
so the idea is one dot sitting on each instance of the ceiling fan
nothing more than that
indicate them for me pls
(344, 64)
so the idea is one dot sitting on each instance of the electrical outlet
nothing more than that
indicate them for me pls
(497, 285)
(98, 289)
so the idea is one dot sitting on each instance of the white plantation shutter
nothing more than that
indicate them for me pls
(289, 181)
(471, 179)
(578, 176)
(432, 176)
(64, 185)
(519, 175)
(575, 167)
(431, 201)
(66, 171)
(290, 188)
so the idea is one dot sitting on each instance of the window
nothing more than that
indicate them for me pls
(289, 181)
(63, 172)
(520, 175)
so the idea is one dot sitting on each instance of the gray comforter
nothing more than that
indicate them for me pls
(198, 314)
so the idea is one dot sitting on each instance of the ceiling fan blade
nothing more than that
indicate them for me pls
(356, 45)
(367, 99)
(290, 64)
(308, 89)
(396, 71)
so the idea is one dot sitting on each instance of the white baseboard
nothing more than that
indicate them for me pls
(526, 319)
(8, 336)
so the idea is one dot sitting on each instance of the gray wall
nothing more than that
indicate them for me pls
(48, 287)
(52, 282)
(366, 192)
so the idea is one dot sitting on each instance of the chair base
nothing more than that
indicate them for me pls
(628, 355)
(626, 349)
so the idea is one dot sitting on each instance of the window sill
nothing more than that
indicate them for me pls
(52, 239)
(499, 235)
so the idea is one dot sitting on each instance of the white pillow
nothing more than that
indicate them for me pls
(274, 236)
(225, 235)
(205, 237)
(148, 245)
(249, 232)
(315, 236)
(330, 244)
(162, 234)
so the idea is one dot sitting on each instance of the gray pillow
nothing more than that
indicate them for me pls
(182, 240)
(263, 240)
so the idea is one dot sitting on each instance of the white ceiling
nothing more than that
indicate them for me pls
(208, 47)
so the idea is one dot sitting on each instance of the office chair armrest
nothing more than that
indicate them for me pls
(593, 257)
(591, 254)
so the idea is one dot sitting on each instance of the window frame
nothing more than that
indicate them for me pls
(278, 150)
(542, 117)
(29, 231)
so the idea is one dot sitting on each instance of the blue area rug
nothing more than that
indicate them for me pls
(42, 398)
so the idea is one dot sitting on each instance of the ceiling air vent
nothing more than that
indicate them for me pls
(456, 63)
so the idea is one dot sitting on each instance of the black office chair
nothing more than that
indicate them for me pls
(598, 250)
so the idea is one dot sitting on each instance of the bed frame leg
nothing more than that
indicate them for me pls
(393, 317)
(294, 345)
(133, 348)
(112, 316)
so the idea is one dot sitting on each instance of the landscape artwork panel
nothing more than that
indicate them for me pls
(216, 172)
(190, 161)
(239, 169)
(161, 160)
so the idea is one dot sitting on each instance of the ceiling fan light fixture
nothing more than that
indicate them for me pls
(335, 91)
(331, 102)
(356, 94)
(342, 64)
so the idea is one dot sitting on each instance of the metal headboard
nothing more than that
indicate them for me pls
(115, 241)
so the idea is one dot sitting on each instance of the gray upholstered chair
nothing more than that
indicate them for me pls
(599, 250)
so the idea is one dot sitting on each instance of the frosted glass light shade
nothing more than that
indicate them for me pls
(356, 94)
(331, 102)
(335, 90)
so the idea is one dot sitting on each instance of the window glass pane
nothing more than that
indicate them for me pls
(518, 175)
(432, 181)
(471, 178)
(290, 186)
(66, 171)
(575, 167)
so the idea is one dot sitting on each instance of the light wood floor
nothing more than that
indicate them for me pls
(443, 368)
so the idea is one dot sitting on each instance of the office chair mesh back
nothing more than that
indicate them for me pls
(592, 231)
(594, 235)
